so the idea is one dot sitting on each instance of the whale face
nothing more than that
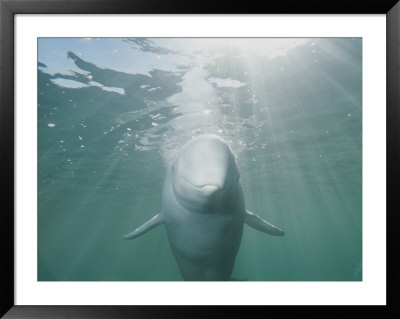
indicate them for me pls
(204, 174)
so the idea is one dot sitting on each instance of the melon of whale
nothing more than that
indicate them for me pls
(204, 211)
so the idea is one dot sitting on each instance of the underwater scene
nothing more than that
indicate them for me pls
(114, 116)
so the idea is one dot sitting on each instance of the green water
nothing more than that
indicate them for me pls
(112, 112)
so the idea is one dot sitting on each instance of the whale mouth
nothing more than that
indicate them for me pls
(208, 188)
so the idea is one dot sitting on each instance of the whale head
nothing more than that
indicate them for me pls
(204, 173)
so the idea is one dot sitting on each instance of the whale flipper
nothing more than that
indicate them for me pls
(150, 224)
(260, 224)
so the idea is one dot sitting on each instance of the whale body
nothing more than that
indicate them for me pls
(203, 209)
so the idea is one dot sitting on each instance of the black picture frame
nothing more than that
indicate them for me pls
(9, 8)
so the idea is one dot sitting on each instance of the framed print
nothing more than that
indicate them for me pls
(170, 160)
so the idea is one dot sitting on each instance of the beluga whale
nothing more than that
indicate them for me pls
(204, 211)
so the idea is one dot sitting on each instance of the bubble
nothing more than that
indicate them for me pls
(51, 125)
